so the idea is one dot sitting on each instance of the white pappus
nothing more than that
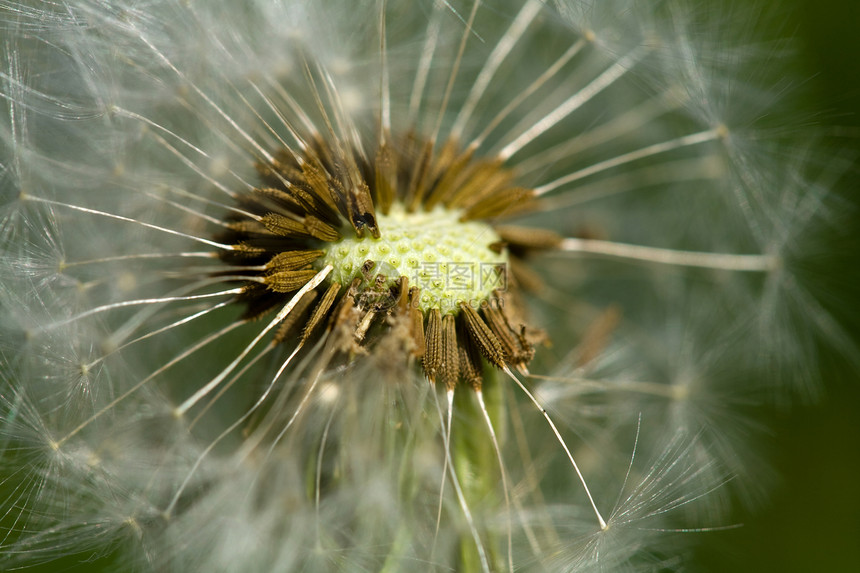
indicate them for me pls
(187, 386)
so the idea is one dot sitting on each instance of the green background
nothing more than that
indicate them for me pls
(812, 522)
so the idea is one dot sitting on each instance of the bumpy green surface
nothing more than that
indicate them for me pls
(448, 260)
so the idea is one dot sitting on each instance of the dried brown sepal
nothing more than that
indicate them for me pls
(401, 321)
(528, 337)
(483, 336)
(514, 313)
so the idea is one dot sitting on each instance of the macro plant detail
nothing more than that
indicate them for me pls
(448, 285)
(286, 229)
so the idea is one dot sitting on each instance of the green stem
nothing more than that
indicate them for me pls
(475, 460)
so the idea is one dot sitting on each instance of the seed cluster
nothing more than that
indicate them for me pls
(410, 203)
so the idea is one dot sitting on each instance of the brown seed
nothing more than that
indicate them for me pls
(292, 260)
(433, 344)
(385, 177)
(524, 277)
(295, 199)
(289, 323)
(319, 229)
(315, 205)
(344, 307)
(316, 178)
(529, 237)
(289, 281)
(452, 170)
(420, 176)
(417, 320)
(444, 159)
(450, 367)
(487, 179)
(363, 325)
(248, 227)
(284, 226)
(361, 212)
(402, 303)
(471, 364)
(517, 348)
(245, 249)
(498, 247)
(321, 310)
(417, 330)
(259, 300)
(507, 338)
(271, 196)
(502, 204)
(483, 337)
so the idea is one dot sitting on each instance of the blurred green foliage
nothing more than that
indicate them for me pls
(812, 522)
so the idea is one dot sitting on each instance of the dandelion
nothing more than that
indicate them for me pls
(455, 286)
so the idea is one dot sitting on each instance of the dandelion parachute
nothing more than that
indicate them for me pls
(234, 245)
